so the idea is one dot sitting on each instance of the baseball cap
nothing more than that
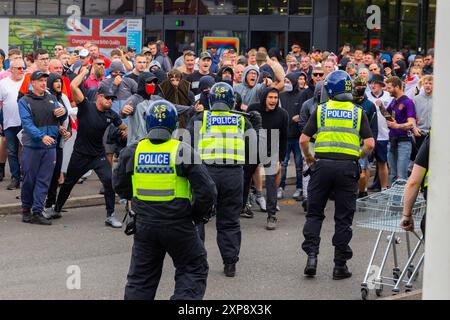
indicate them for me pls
(37, 75)
(359, 82)
(205, 55)
(84, 53)
(145, 50)
(131, 49)
(106, 92)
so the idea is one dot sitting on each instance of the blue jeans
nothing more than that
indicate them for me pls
(294, 147)
(12, 143)
(398, 160)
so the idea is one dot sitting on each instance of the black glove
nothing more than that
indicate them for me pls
(255, 119)
(130, 221)
(204, 219)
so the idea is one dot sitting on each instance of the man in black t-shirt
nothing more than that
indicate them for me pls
(415, 181)
(88, 151)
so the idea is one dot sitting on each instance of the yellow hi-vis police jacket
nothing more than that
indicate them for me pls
(222, 136)
(338, 126)
(155, 177)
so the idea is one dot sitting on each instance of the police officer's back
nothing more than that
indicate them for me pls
(159, 173)
(222, 148)
(339, 125)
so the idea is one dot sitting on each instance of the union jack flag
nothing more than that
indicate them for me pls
(105, 33)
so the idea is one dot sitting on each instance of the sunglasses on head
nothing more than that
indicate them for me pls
(318, 74)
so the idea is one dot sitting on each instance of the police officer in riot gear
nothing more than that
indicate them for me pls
(222, 148)
(340, 125)
(162, 176)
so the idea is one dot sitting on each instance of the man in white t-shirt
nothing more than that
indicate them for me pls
(9, 89)
(381, 99)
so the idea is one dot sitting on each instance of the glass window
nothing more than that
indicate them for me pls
(153, 6)
(408, 35)
(96, 8)
(269, 7)
(25, 7)
(300, 7)
(431, 24)
(152, 36)
(48, 7)
(387, 7)
(410, 10)
(6, 8)
(64, 4)
(178, 7)
(223, 7)
(242, 35)
(140, 8)
(301, 38)
(352, 22)
(121, 7)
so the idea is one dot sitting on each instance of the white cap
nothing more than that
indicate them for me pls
(84, 53)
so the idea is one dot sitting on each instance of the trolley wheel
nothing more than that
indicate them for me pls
(379, 290)
(410, 273)
(364, 293)
(396, 274)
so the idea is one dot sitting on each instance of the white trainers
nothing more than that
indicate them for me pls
(280, 193)
(112, 221)
(297, 195)
(261, 201)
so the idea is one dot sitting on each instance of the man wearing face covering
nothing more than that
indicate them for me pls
(54, 85)
(360, 98)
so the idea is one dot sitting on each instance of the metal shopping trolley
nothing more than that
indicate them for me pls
(382, 211)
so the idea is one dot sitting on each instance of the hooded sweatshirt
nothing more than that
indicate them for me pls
(249, 95)
(289, 102)
(162, 59)
(309, 106)
(276, 119)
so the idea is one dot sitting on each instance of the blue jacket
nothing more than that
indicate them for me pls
(38, 120)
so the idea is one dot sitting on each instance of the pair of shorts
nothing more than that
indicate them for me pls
(109, 148)
(381, 151)
(364, 163)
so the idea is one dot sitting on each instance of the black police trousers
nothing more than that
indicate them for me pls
(341, 178)
(229, 183)
(151, 243)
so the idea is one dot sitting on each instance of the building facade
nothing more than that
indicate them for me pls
(322, 24)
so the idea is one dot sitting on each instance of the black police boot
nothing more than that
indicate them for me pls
(311, 265)
(305, 205)
(341, 272)
(230, 269)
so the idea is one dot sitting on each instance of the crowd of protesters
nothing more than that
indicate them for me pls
(41, 117)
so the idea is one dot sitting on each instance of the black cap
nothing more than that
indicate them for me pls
(205, 55)
(106, 92)
(131, 49)
(37, 75)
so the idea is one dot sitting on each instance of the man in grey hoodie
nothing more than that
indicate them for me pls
(250, 89)
(423, 103)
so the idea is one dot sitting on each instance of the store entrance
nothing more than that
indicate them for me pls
(176, 40)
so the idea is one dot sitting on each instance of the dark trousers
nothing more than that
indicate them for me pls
(12, 143)
(151, 243)
(53, 189)
(79, 164)
(229, 184)
(37, 166)
(271, 196)
(340, 177)
(294, 147)
(249, 170)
